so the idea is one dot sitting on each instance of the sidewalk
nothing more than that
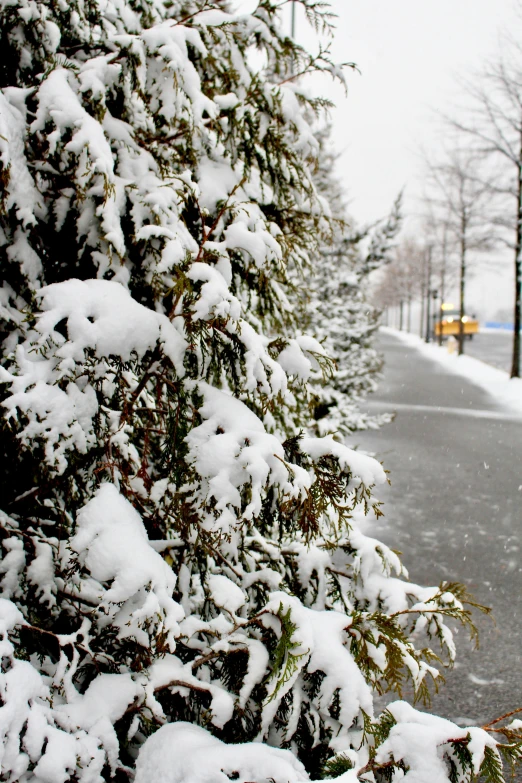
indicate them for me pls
(506, 391)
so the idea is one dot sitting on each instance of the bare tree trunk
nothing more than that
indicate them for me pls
(462, 309)
(441, 311)
(421, 330)
(401, 311)
(442, 285)
(515, 364)
(428, 317)
(409, 313)
(428, 294)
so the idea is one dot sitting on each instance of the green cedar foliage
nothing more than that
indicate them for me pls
(177, 550)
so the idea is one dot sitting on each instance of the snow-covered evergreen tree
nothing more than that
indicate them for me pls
(179, 561)
(341, 313)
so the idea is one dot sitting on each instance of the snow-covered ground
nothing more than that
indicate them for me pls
(506, 391)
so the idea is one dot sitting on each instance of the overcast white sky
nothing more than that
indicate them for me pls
(410, 53)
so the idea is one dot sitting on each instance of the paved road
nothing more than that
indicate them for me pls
(455, 511)
(492, 347)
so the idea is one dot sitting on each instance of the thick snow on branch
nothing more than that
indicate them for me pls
(424, 744)
(183, 753)
(101, 319)
(20, 191)
(366, 468)
(128, 579)
(100, 315)
(128, 587)
(231, 449)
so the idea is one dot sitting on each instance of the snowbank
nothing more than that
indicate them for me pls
(506, 391)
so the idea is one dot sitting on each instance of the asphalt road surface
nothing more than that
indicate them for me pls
(454, 509)
(491, 347)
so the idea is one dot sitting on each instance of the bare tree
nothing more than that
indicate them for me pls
(388, 292)
(441, 240)
(494, 125)
(407, 270)
(444, 267)
(402, 281)
(461, 191)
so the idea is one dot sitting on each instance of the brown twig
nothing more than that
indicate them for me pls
(206, 7)
(419, 611)
(129, 404)
(207, 233)
(372, 766)
(502, 717)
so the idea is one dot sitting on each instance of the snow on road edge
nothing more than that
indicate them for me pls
(506, 391)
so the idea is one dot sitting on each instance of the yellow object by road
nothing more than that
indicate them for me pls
(452, 344)
(450, 324)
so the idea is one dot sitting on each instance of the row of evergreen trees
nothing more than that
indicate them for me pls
(184, 564)
(340, 311)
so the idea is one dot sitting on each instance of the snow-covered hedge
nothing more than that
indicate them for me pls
(187, 590)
